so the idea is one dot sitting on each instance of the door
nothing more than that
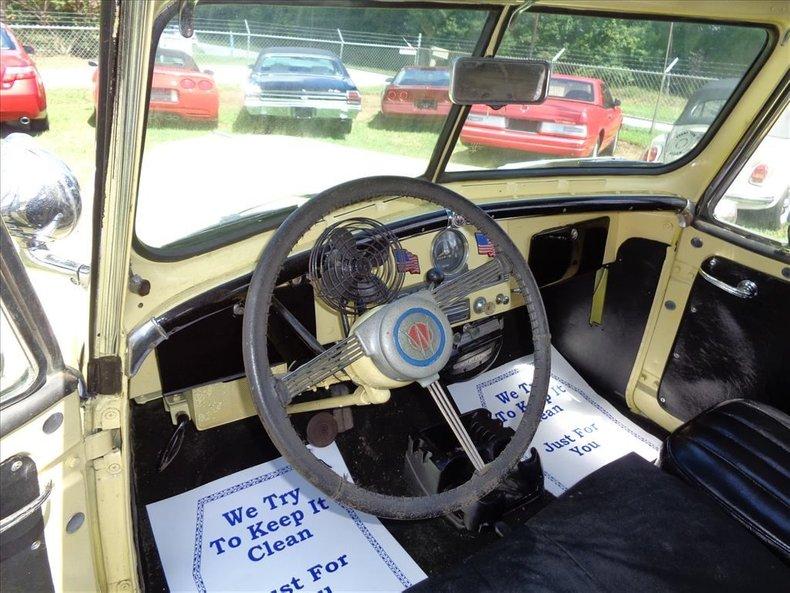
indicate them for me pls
(723, 329)
(45, 532)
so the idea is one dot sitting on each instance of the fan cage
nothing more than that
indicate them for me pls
(352, 265)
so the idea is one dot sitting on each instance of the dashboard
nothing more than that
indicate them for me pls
(565, 241)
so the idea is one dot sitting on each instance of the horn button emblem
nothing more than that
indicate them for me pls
(418, 335)
(409, 339)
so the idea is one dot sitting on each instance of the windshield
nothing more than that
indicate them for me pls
(620, 87)
(297, 101)
(574, 90)
(5, 40)
(175, 59)
(413, 76)
(304, 65)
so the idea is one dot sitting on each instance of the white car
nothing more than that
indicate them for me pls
(761, 192)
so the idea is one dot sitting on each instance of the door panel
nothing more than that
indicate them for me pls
(23, 547)
(725, 348)
(46, 543)
(728, 345)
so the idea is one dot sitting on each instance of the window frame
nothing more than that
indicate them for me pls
(608, 168)
(24, 312)
(449, 133)
(705, 219)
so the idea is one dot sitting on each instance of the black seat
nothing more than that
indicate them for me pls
(738, 453)
(627, 527)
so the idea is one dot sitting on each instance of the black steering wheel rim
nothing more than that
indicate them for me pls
(270, 408)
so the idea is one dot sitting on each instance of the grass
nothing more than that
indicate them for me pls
(640, 102)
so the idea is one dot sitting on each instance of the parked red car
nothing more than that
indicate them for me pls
(578, 119)
(22, 96)
(179, 88)
(420, 91)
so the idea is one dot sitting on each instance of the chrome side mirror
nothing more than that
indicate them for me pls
(40, 202)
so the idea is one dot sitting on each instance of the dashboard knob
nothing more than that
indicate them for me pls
(434, 276)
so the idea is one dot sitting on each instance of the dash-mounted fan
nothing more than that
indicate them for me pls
(353, 267)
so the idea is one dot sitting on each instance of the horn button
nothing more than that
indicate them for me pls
(407, 340)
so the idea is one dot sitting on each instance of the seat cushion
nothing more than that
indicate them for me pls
(627, 527)
(739, 453)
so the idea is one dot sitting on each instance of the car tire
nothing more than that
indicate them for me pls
(597, 148)
(38, 126)
(609, 150)
(342, 128)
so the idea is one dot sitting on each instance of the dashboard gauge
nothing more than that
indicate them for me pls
(449, 251)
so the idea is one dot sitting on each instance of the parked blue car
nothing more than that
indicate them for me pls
(302, 83)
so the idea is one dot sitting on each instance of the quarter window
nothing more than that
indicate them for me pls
(18, 369)
(758, 199)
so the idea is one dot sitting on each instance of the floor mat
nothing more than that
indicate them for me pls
(265, 528)
(579, 432)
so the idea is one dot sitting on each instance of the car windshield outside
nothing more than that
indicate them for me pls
(5, 40)
(423, 76)
(298, 64)
(175, 59)
(572, 89)
(301, 98)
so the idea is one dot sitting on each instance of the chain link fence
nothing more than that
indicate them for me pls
(650, 95)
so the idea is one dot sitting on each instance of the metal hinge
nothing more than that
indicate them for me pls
(104, 375)
(98, 444)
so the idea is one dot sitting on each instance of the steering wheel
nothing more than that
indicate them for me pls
(380, 350)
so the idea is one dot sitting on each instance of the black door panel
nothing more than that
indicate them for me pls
(728, 346)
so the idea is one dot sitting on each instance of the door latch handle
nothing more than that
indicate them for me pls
(26, 511)
(745, 289)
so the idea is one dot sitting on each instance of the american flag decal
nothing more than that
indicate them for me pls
(484, 245)
(406, 261)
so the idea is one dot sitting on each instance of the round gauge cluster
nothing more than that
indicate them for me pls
(449, 251)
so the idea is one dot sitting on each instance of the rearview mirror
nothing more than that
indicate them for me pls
(498, 81)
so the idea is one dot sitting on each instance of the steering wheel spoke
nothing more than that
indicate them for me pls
(454, 420)
(490, 273)
(330, 362)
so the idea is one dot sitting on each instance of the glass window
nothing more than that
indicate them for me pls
(287, 101)
(18, 370)
(758, 200)
(625, 89)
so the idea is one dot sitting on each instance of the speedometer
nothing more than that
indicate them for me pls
(449, 251)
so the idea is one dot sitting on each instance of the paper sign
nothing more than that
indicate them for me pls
(267, 529)
(579, 431)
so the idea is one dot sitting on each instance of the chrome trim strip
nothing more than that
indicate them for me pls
(142, 341)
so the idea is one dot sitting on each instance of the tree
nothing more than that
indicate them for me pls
(43, 10)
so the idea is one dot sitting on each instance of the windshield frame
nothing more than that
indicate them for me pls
(610, 167)
(246, 227)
